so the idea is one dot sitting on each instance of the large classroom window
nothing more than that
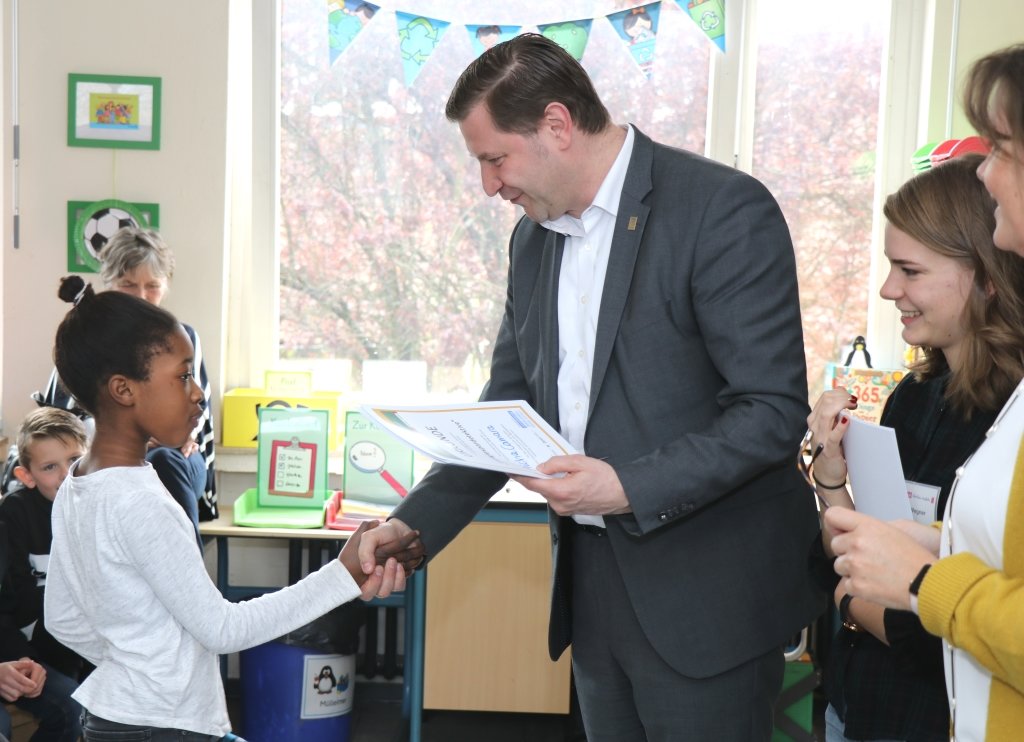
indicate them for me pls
(388, 249)
(815, 133)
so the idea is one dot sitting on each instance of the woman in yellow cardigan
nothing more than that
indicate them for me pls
(966, 579)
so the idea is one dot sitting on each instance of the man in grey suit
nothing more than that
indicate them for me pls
(652, 317)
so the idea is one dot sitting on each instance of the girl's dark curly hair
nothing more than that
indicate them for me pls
(106, 334)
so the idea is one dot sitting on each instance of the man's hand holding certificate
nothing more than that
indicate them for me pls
(583, 486)
(508, 437)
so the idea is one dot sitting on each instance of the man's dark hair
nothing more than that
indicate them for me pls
(106, 334)
(518, 78)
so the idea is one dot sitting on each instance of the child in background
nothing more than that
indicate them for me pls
(127, 588)
(26, 683)
(49, 442)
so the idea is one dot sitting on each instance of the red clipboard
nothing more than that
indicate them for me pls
(309, 477)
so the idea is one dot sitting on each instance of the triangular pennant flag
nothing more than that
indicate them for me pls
(344, 22)
(484, 36)
(638, 29)
(417, 37)
(710, 16)
(570, 35)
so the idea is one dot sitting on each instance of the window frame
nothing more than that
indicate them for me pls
(913, 88)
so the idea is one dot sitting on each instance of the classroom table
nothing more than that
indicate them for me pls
(299, 539)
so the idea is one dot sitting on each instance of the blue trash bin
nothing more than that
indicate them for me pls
(296, 694)
(299, 687)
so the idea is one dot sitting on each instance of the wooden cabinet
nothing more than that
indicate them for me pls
(487, 623)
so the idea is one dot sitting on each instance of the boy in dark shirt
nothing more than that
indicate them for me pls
(49, 441)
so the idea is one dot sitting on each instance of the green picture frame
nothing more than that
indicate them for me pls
(81, 251)
(113, 111)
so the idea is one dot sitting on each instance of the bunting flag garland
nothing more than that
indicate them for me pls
(638, 28)
(418, 37)
(570, 35)
(710, 16)
(484, 36)
(344, 22)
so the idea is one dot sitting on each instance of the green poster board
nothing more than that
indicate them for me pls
(291, 484)
(378, 467)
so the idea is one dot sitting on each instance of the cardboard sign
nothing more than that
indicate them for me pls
(871, 387)
(288, 383)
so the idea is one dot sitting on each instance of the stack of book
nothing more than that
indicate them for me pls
(345, 514)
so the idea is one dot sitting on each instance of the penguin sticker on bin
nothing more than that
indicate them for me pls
(327, 690)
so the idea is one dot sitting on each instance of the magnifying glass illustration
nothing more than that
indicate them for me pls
(369, 458)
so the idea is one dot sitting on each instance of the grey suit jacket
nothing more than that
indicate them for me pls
(698, 400)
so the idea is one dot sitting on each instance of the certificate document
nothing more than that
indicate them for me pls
(510, 437)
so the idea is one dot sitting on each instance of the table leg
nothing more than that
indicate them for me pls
(415, 616)
(222, 585)
(295, 546)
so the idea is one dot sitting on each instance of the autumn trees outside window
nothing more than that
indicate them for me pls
(390, 250)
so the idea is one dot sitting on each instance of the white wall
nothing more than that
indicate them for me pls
(978, 27)
(183, 42)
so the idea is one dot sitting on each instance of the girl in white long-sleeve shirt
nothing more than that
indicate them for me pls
(126, 587)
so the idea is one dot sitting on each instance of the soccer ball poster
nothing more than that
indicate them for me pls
(91, 224)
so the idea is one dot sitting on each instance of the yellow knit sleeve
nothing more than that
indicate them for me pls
(977, 608)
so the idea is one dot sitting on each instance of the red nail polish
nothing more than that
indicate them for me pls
(844, 420)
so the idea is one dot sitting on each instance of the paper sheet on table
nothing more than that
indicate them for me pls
(510, 437)
(876, 474)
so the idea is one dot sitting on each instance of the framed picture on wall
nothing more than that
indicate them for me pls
(92, 223)
(113, 111)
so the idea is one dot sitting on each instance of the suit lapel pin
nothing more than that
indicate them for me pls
(632, 224)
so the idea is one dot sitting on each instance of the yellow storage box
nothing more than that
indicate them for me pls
(240, 413)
